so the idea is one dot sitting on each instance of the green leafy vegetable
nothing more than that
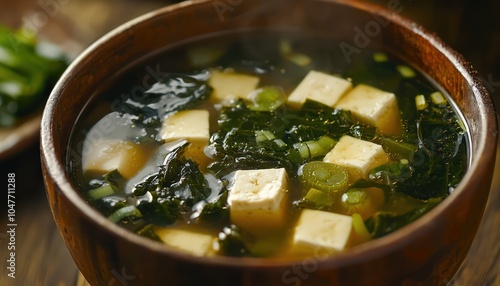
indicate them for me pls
(392, 173)
(231, 241)
(398, 149)
(217, 210)
(175, 188)
(176, 92)
(266, 98)
(101, 192)
(240, 144)
(362, 201)
(324, 176)
(439, 131)
(318, 199)
(383, 223)
(173, 92)
(149, 232)
(312, 149)
(128, 211)
(26, 75)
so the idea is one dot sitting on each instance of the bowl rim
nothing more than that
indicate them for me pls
(56, 171)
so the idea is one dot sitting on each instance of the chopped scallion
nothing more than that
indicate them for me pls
(303, 150)
(420, 102)
(380, 57)
(309, 149)
(279, 142)
(267, 98)
(402, 150)
(312, 149)
(461, 124)
(326, 142)
(299, 59)
(364, 201)
(438, 98)
(324, 176)
(318, 197)
(101, 192)
(360, 230)
(124, 212)
(405, 71)
(264, 135)
(285, 47)
(354, 196)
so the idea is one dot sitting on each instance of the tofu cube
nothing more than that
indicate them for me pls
(197, 244)
(320, 229)
(258, 198)
(190, 125)
(357, 156)
(107, 155)
(374, 107)
(230, 85)
(320, 87)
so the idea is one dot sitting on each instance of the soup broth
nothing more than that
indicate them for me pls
(268, 145)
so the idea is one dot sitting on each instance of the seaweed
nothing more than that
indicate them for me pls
(172, 92)
(383, 223)
(178, 185)
(232, 241)
(235, 145)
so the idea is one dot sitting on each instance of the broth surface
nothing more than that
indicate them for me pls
(162, 185)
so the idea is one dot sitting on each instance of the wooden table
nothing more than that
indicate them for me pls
(41, 256)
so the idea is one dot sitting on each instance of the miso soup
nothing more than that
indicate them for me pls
(268, 145)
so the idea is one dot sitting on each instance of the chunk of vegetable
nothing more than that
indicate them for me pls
(319, 198)
(363, 201)
(383, 223)
(406, 71)
(324, 176)
(231, 242)
(360, 232)
(420, 102)
(398, 149)
(438, 98)
(266, 98)
(101, 192)
(313, 149)
(28, 71)
(128, 211)
(380, 57)
(173, 190)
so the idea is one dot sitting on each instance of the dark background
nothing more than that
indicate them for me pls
(470, 27)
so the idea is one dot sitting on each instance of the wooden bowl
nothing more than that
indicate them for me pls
(426, 252)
